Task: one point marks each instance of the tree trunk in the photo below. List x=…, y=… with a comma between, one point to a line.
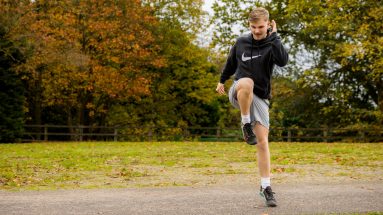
x=38, y=100
x=70, y=123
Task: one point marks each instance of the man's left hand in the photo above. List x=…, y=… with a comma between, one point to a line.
x=273, y=26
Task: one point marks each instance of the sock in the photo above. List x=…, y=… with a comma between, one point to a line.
x=265, y=182
x=245, y=119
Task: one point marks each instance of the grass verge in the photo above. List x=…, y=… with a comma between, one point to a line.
x=41, y=166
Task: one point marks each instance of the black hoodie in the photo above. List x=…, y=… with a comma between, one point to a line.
x=255, y=59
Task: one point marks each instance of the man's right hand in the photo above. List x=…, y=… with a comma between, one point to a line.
x=220, y=89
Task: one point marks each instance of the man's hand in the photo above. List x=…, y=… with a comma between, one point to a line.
x=220, y=89
x=273, y=26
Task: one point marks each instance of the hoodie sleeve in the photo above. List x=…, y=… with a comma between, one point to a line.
x=230, y=66
x=280, y=55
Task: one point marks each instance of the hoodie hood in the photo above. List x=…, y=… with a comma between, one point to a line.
x=263, y=42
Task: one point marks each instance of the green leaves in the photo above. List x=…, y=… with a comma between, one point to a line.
x=342, y=40
x=11, y=90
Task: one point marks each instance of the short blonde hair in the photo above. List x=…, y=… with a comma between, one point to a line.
x=259, y=13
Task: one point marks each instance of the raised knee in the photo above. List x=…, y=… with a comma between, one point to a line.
x=245, y=84
x=244, y=91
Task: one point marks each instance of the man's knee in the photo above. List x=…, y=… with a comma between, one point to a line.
x=262, y=144
x=245, y=84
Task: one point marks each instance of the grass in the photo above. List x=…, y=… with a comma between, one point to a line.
x=41, y=166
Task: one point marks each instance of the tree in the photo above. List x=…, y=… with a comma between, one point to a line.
x=185, y=15
x=182, y=91
x=348, y=36
x=88, y=54
x=11, y=91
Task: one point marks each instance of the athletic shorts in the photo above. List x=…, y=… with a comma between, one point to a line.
x=259, y=109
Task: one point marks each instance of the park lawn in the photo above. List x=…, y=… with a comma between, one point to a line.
x=78, y=165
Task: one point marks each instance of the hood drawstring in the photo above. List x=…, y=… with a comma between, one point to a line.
x=251, y=52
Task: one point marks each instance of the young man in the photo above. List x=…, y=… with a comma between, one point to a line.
x=252, y=59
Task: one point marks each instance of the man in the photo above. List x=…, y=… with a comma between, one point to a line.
x=252, y=59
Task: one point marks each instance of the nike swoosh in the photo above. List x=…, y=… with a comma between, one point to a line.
x=248, y=58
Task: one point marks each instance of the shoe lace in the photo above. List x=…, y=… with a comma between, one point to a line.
x=269, y=194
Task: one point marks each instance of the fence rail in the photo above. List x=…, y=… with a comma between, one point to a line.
x=136, y=133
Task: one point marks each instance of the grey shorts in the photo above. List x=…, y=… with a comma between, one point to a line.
x=259, y=109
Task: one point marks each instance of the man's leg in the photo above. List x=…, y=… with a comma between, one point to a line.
x=244, y=89
x=263, y=153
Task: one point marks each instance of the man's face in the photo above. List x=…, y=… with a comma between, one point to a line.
x=259, y=28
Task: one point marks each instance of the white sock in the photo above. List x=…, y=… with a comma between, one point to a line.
x=265, y=182
x=245, y=119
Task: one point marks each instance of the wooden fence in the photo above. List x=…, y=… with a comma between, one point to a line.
x=135, y=133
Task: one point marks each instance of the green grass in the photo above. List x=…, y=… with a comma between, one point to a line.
x=41, y=166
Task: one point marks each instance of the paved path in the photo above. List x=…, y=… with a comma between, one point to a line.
x=292, y=199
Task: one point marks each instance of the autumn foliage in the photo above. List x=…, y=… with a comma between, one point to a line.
x=108, y=62
x=85, y=53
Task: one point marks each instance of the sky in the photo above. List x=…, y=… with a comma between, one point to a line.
x=205, y=37
x=207, y=6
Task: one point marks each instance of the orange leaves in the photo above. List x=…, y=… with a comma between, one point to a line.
x=95, y=53
x=96, y=46
x=130, y=37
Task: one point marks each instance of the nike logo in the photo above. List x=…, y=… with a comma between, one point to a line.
x=248, y=58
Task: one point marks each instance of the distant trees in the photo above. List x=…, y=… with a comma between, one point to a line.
x=103, y=62
x=133, y=62
x=11, y=91
x=181, y=92
x=89, y=54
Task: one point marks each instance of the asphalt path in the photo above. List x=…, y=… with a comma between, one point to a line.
x=320, y=198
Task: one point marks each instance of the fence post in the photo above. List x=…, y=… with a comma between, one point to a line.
x=81, y=132
x=362, y=136
x=325, y=133
x=218, y=133
x=38, y=129
x=288, y=135
x=185, y=133
x=150, y=134
x=45, y=132
x=115, y=135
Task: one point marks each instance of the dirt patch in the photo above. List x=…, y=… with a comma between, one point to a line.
x=247, y=173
